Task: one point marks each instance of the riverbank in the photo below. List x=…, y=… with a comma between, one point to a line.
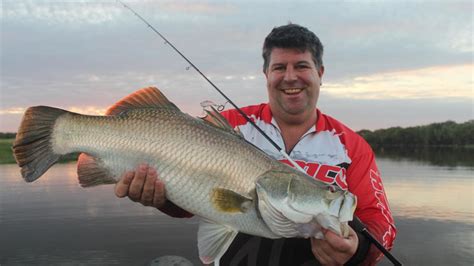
x=430, y=153
x=6, y=153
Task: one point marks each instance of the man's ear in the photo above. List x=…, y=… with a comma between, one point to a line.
x=321, y=71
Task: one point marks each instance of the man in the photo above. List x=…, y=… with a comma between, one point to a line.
x=324, y=147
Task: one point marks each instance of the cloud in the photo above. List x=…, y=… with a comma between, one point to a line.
x=97, y=12
x=198, y=7
x=72, y=11
x=383, y=113
x=87, y=110
x=91, y=53
x=12, y=111
x=433, y=82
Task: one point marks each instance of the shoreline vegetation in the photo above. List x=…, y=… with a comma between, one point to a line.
x=445, y=134
x=448, y=143
x=419, y=142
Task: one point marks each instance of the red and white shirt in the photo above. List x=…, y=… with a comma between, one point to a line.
x=334, y=154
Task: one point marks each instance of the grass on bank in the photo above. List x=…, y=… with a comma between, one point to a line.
x=6, y=153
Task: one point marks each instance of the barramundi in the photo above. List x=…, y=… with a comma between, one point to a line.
x=207, y=167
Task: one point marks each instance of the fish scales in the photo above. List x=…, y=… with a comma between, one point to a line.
x=158, y=136
x=207, y=168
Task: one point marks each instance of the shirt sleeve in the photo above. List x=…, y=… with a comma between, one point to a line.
x=363, y=179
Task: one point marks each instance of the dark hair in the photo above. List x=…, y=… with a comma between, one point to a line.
x=293, y=36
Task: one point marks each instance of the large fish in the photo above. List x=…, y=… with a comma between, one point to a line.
x=208, y=168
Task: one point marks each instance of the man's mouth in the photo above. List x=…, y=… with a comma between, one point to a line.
x=291, y=91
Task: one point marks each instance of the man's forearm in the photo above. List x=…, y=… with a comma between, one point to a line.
x=174, y=211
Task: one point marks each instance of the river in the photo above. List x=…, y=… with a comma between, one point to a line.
x=54, y=221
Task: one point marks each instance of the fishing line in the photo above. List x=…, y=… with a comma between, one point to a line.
x=215, y=87
x=357, y=223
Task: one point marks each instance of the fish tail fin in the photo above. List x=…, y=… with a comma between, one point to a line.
x=32, y=148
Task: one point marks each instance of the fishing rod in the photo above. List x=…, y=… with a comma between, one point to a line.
x=357, y=224
x=215, y=87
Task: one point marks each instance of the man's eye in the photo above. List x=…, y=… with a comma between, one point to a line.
x=302, y=66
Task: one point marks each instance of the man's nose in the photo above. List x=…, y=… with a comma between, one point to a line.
x=290, y=74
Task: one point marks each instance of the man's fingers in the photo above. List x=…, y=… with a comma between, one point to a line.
x=136, y=187
x=149, y=187
x=142, y=185
x=319, y=253
x=121, y=188
x=340, y=243
x=159, y=198
x=334, y=249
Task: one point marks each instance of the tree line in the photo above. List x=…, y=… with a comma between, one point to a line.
x=7, y=135
x=447, y=133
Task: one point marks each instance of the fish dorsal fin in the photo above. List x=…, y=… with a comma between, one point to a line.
x=92, y=172
x=213, y=240
x=214, y=118
x=150, y=97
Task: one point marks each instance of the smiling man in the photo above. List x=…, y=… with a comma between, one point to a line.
x=293, y=81
x=324, y=147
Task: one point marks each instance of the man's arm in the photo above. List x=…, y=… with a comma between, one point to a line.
x=363, y=179
x=144, y=186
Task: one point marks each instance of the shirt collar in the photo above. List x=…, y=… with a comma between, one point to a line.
x=320, y=125
x=320, y=122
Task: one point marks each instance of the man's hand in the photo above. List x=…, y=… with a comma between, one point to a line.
x=334, y=249
x=142, y=185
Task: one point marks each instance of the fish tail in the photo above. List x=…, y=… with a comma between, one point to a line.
x=32, y=148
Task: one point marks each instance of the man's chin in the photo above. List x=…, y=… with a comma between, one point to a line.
x=295, y=110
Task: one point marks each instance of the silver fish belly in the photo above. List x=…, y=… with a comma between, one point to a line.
x=208, y=169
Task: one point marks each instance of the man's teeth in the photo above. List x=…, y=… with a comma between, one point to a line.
x=292, y=91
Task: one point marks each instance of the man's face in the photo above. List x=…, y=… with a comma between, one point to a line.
x=293, y=82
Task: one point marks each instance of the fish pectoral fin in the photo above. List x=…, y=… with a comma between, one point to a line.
x=149, y=97
x=348, y=207
x=92, y=172
x=226, y=200
x=214, y=240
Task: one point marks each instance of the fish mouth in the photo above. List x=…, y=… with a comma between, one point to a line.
x=292, y=91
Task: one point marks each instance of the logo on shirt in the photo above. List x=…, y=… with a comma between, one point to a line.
x=329, y=174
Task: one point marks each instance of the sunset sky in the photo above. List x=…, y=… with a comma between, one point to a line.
x=387, y=63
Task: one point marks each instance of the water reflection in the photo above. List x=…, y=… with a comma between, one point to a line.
x=55, y=221
x=417, y=190
x=440, y=200
x=58, y=194
x=440, y=156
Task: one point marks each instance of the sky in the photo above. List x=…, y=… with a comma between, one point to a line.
x=387, y=63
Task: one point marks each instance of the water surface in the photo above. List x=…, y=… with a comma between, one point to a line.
x=55, y=221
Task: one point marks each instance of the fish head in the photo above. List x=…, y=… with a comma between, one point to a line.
x=294, y=205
